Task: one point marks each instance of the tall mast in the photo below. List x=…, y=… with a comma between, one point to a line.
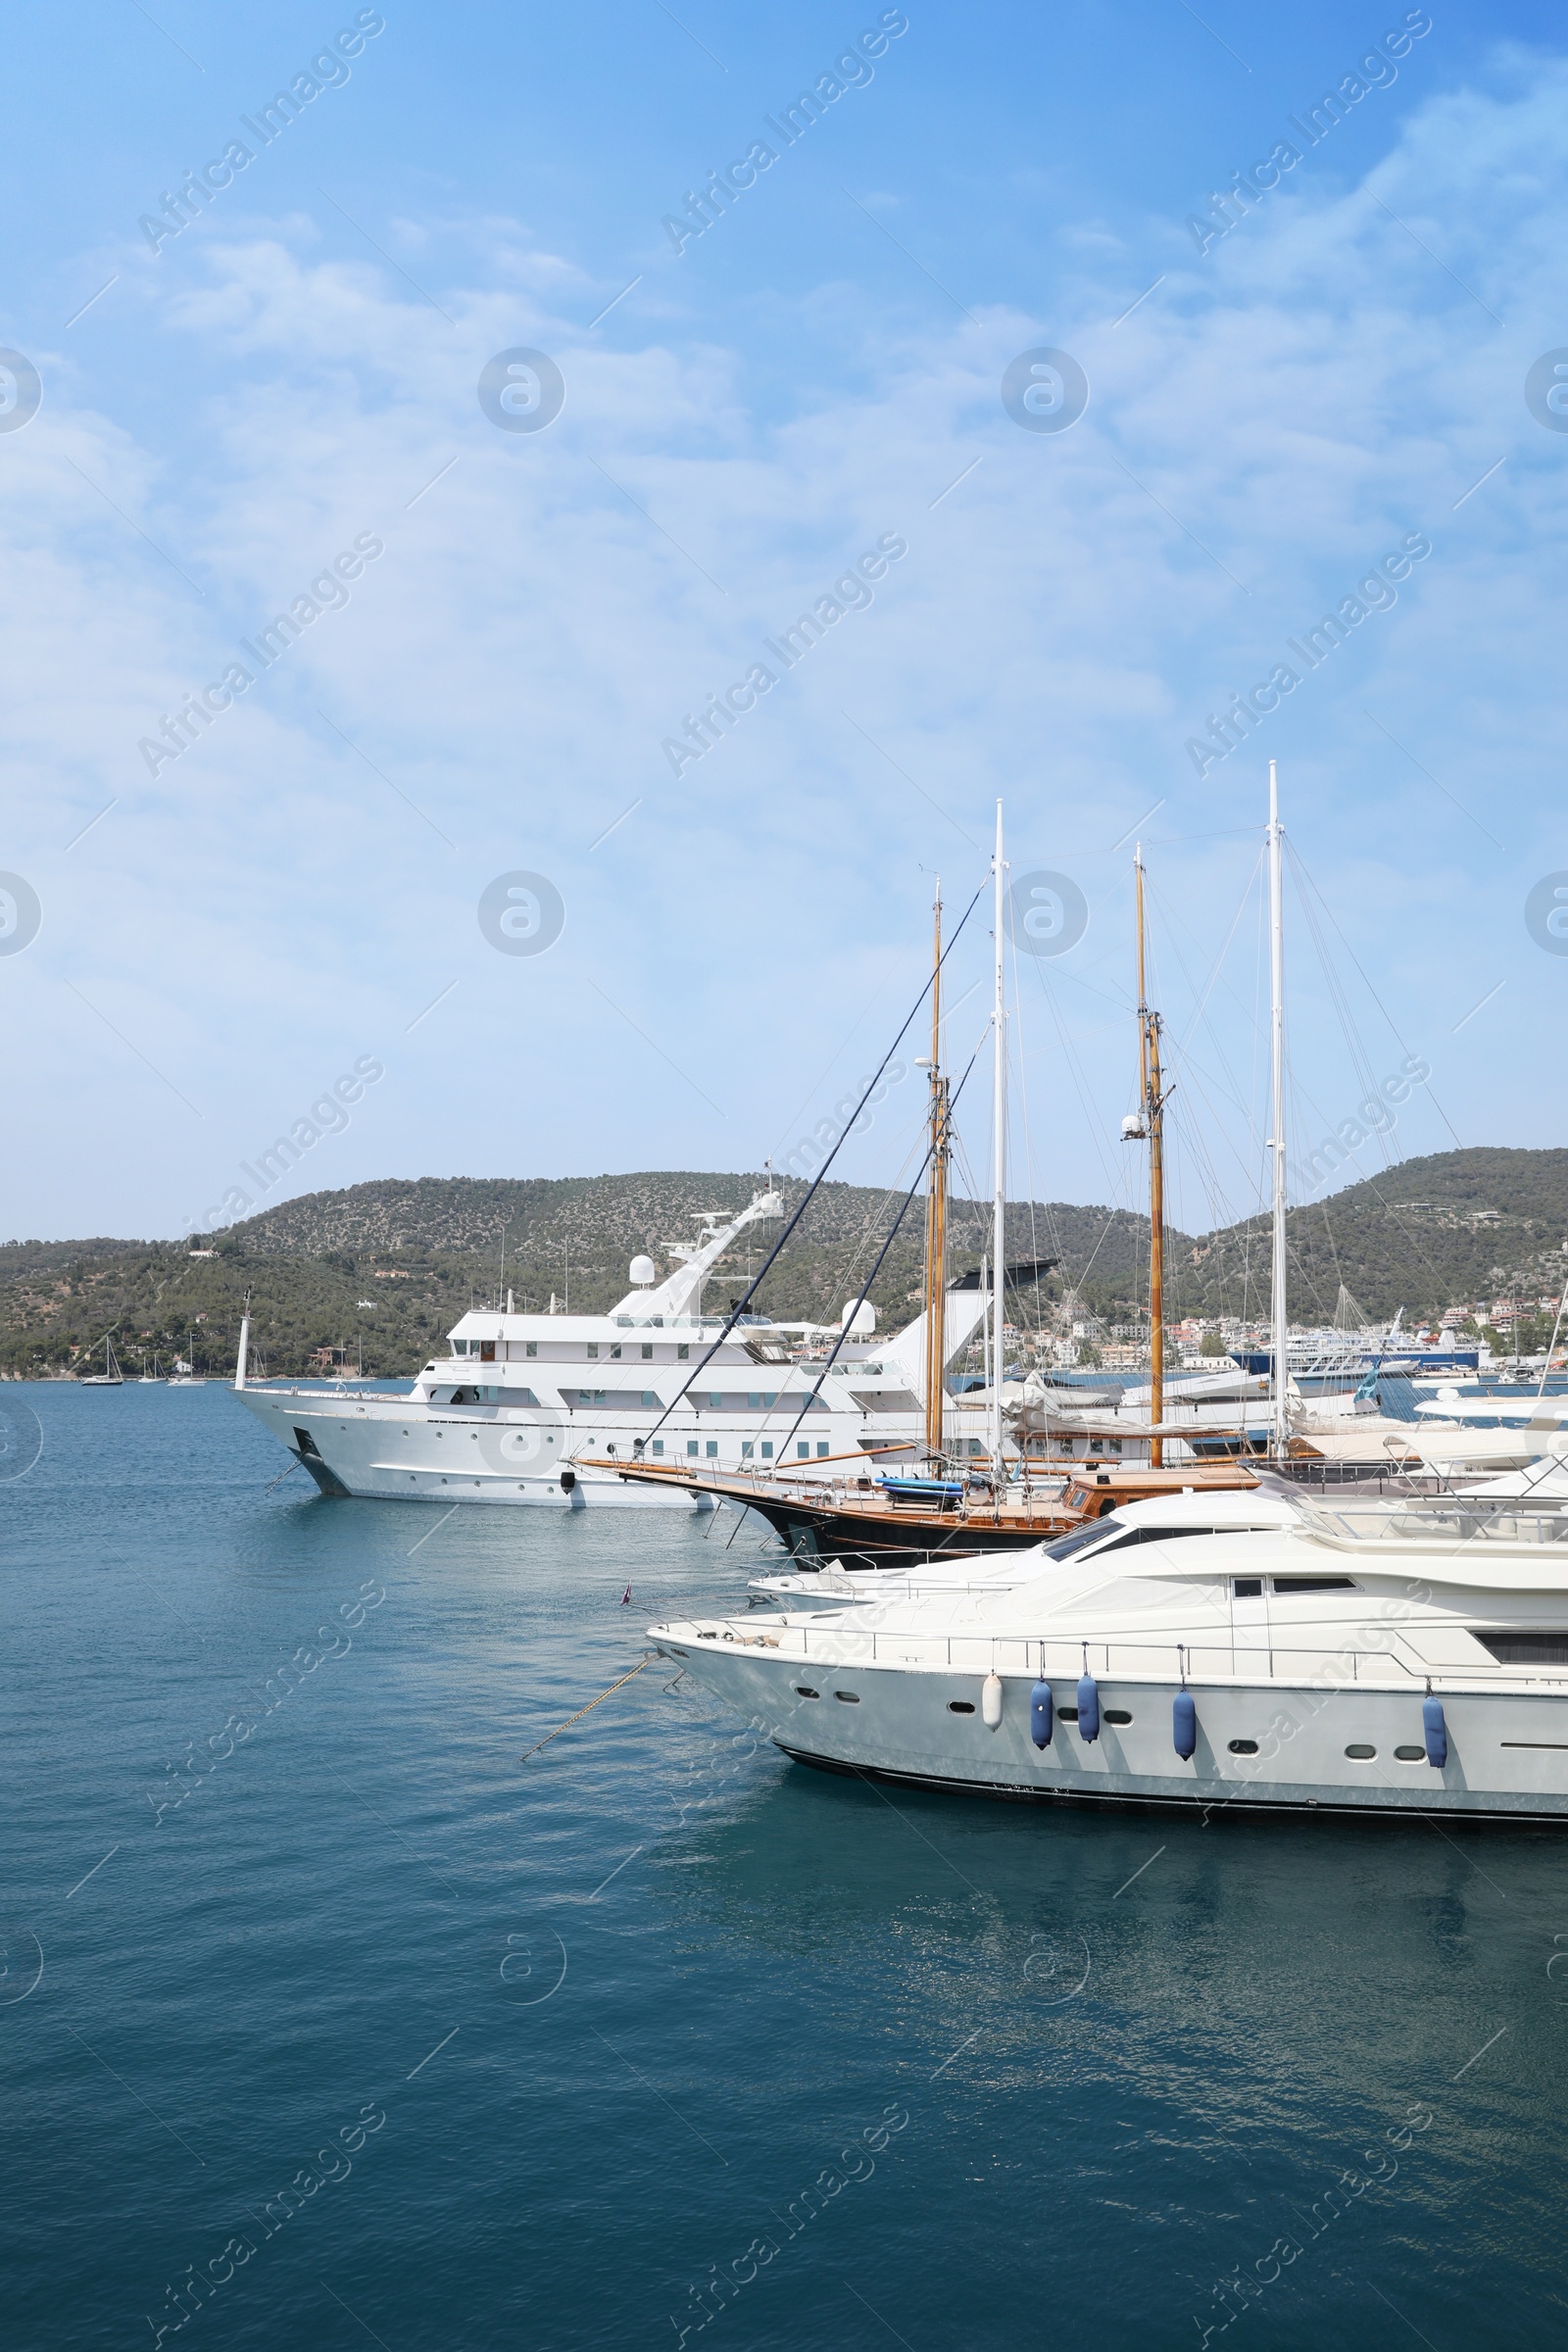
x=1153, y=1107
x=999, y=1162
x=935, y=1214
x=1276, y=924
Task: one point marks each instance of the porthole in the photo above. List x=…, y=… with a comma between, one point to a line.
x=1067, y=1714
x=960, y=1706
x=1360, y=1753
x=1117, y=1715
x=851, y=1698
x=1412, y=1755
x=804, y=1691
x=1244, y=1747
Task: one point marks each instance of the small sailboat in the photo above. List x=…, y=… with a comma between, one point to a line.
x=150, y=1380
x=185, y=1374
x=111, y=1377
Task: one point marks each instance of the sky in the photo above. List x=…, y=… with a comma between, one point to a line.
x=444, y=857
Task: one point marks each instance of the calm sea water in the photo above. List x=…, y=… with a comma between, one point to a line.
x=369, y=2030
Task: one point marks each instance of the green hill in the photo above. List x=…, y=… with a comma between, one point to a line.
x=391, y=1265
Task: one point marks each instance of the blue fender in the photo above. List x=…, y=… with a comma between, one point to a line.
x=1087, y=1709
x=1042, y=1714
x=1435, y=1731
x=1184, y=1725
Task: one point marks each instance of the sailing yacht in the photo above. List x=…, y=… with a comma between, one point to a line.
x=111, y=1377
x=540, y=1409
x=1406, y=1658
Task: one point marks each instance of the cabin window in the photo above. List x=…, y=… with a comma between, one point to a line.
x=960, y=1706
x=746, y=1449
x=712, y=1449
x=802, y=1453
x=1526, y=1649
x=714, y=1400
x=593, y=1347
x=615, y=1351
x=533, y=1349
x=487, y=1351
x=1248, y=1588
x=648, y=1351
x=1412, y=1755
x=682, y=1353
x=768, y=1449
x=1360, y=1753
x=851, y=1698
x=460, y=1347
x=691, y=1445
x=1067, y=1714
x=804, y=1691
x=755, y=1401
x=1244, y=1747
x=1314, y=1584
x=1117, y=1715
x=659, y=1444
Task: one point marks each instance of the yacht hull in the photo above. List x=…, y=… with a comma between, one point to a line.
x=377, y=1448
x=1507, y=1749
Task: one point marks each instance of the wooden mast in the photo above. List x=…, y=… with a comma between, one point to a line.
x=1153, y=1109
x=936, y=1217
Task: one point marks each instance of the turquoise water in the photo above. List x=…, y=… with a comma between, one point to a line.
x=385, y=2035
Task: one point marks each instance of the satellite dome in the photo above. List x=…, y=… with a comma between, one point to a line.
x=862, y=1317
x=643, y=1271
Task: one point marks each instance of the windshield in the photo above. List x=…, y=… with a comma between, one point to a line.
x=1065, y=1546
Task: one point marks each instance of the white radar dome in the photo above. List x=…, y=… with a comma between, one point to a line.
x=643, y=1271
x=857, y=1319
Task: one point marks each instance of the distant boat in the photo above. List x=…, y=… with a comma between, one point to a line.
x=186, y=1375
x=150, y=1380
x=111, y=1377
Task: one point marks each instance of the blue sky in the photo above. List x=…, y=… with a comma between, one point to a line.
x=1272, y=413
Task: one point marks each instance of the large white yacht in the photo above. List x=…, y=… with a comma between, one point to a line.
x=1370, y=1658
x=538, y=1409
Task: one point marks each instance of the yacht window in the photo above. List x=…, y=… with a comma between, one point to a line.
x=1248, y=1588
x=593, y=1347
x=754, y=1403
x=460, y=1347
x=803, y=1454
x=1117, y=1715
x=746, y=1449
x=532, y=1347
x=770, y=1397
x=691, y=1444
x=821, y=1447
x=712, y=1449
x=1244, y=1747
x=1168, y=1534
x=1526, y=1649
x=1412, y=1755
x=659, y=1444
x=1314, y=1584
x=960, y=1706
x=1359, y=1752
x=851, y=1698
x=1065, y=1546
x=804, y=1691
x=648, y=1351
x=615, y=1351
x=768, y=1449
x=682, y=1353
x=487, y=1351
x=1067, y=1714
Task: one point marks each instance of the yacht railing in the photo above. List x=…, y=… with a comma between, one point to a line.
x=1323, y=1670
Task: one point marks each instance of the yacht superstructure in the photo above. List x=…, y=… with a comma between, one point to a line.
x=537, y=1408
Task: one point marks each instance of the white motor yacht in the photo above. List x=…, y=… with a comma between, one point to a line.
x=538, y=1409
x=1366, y=1659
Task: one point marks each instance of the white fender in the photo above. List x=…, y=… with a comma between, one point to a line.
x=991, y=1702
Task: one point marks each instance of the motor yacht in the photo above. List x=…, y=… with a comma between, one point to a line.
x=538, y=1409
x=1407, y=1658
